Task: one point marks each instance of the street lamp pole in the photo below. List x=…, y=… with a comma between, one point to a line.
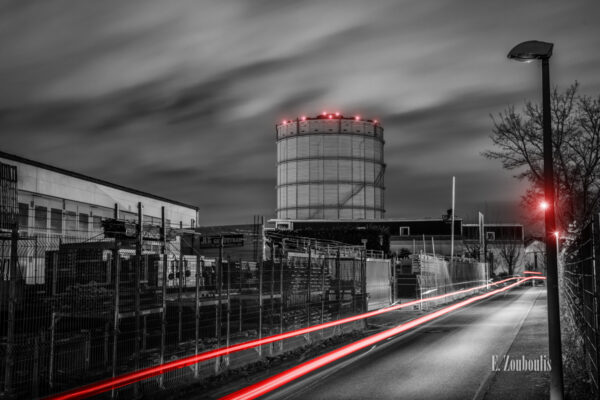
x=527, y=52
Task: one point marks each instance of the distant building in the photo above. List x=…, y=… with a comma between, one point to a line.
x=391, y=235
x=330, y=167
x=535, y=255
x=54, y=203
x=503, y=244
x=241, y=242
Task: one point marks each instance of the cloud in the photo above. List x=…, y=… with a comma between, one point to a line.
x=180, y=99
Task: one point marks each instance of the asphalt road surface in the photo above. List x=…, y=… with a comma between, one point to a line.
x=448, y=358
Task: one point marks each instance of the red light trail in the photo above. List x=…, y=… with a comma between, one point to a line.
x=276, y=381
x=145, y=373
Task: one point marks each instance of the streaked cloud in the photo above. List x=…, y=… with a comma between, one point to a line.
x=180, y=98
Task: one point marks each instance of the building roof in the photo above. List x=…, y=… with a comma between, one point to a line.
x=38, y=164
x=369, y=221
x=496, y=224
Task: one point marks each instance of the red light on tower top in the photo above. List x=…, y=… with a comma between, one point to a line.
x=544, y=205
x=556, y=234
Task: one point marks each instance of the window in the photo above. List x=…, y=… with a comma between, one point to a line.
x=23, y=215
x=83, y=223
x=41, y=217
x=56, y=220
x=490, y=236
x=97, y=223
x=70, y=222
x=405, y=231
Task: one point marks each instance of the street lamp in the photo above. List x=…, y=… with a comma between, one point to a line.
x=527, y=52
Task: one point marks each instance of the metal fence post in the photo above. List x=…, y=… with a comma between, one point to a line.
x=308, y=289
x=260, y=302
x=36, y=368
x=117, y=268
x=595, y=303
x=219, y=302
x=12, y=299
x=353, y=289
x=240, y=296
x=179, y=299
x=338, y=277
x=363, y=279
x=323, y=291
x=280, y=298
x=228, y=329
x=138, y=266
x=272, y=300
x=163, y=316
x=199, y=269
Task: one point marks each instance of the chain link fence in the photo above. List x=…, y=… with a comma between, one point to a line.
x=580, y=288
x=81, y=308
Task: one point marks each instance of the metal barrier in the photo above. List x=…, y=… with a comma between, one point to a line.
x=581, y=279
x=95, y=305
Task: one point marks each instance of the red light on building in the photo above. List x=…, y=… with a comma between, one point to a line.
x=556, y=234
x=337, y=114
x=303, y=118
x=357, y=118
x=330, y=116
x=375, y=122
x=544, y=205
x=284, y=122
x=324, y=113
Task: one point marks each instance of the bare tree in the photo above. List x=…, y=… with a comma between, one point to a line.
x=510, y=252
x=517, y=138
x=472, y=249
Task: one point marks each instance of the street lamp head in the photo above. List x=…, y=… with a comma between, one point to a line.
x=530, y=51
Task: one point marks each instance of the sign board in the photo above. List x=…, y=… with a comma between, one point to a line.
x=128, y=230
x=214, y=242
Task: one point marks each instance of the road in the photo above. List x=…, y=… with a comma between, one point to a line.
x=448, y=358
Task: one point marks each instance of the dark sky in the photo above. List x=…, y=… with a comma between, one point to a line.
x=180, y=98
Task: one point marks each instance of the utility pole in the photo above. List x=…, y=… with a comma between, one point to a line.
x=452, y=226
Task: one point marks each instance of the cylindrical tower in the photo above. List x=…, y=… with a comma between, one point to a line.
x=330, y=167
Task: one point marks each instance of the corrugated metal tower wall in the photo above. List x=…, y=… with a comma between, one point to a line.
x=330, y=167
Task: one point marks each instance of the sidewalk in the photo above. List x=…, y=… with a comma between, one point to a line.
x=531, y=343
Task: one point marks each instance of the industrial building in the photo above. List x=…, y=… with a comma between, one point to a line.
x=330, y=167
x=54, y=203
x=503, y=245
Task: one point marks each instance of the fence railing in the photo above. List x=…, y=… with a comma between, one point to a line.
x=78, y=309
x=581, y=279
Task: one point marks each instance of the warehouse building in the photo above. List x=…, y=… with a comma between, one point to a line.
x=53, y=203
